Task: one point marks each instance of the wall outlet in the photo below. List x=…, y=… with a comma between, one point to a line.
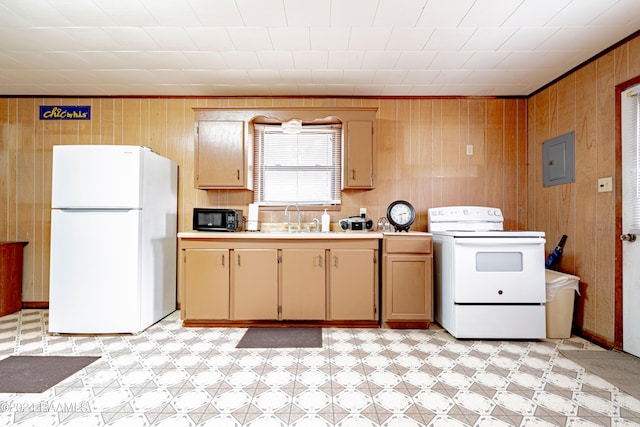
x=469, y=150
x=605, y=184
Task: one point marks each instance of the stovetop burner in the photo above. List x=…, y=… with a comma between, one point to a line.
x=465, y=218
x=472, y=221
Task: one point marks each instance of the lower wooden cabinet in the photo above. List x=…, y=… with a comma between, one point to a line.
x=351, y=284
x=254, y=284
x=407, y=280
x=246, y=280
x=302, y=284
x=206, y=274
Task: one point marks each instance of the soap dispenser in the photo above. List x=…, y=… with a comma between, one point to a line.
x=326, y=222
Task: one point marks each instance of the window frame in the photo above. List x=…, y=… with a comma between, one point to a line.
x=335, y=168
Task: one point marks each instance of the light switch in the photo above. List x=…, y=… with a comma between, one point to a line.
x=605, y=184
x=469, y=150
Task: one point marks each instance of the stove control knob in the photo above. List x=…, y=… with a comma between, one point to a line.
x=466, y=212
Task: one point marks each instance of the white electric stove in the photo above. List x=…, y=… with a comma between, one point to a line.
x=488, y=283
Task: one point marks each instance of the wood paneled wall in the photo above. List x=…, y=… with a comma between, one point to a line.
x=421, y=147
x=422, y=158
x=584, y=102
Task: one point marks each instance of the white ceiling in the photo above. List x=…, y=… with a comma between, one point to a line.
x=301, y=47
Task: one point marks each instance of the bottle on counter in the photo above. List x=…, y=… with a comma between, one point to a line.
x=326, y=222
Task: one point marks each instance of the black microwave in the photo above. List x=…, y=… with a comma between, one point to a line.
x=217, y=219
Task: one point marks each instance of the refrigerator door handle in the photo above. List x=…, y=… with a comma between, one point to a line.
x=83, y=210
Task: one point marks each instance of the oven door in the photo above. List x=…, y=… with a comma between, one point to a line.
x=499, y=270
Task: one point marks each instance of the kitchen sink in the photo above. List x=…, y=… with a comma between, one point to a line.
x=296, y=232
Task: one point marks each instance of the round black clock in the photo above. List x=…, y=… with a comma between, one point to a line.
x=401, y=215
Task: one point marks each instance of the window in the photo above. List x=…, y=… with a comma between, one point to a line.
x=302, y=168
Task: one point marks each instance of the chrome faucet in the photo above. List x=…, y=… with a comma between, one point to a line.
x=286, y=212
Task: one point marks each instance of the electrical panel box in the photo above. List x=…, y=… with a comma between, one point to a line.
x=559, y=160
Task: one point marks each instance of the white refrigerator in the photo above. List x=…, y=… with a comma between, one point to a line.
x=113, y=239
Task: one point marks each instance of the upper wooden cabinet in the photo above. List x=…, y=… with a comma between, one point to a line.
x=224, y=143
x=220, y=154
x=359, y=155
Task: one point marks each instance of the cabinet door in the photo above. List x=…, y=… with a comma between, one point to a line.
x=254, y=284
x=302, y=284
x=359, y=159
x=407, y=287
x=206, y=284
x=352, y=284
x=220, y=156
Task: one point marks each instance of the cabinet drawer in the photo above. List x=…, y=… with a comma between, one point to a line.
x=407, y=244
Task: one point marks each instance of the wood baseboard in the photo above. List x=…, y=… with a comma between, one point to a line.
x=41, y=305
x=280, y=323
x=594, y=338
x=407, y=324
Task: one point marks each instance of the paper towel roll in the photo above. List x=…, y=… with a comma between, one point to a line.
x=252, y=220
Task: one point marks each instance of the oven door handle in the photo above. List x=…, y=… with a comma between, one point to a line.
x=496, y=241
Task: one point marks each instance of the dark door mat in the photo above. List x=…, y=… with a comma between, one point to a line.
x=35, y=374
x=616, y=367
x=281, y=338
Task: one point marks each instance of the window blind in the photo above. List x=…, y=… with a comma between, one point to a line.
x=631, y=156
x=302, y=168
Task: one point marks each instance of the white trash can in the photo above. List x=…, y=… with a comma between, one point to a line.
x=561, y=289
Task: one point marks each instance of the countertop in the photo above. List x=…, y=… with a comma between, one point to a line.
x=278, y=235
x=410, y=233
x=295, y=236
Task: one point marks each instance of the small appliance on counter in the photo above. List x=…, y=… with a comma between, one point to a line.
x=252, y=223
x=356, y=223
x=217, y=219
x=401, y=215
x=383, y=225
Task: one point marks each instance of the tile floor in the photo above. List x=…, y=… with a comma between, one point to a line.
x=175, y=376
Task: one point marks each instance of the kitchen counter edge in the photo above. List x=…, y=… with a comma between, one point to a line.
x=295, y=236
x=206, y=235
